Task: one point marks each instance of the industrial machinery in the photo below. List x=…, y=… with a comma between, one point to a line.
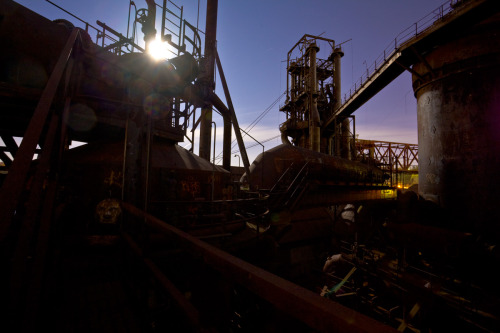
x=131, y=232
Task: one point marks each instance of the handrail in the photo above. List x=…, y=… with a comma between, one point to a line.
x=412, y=31
x=299, y=174
x=99, y=34
x=281, y=179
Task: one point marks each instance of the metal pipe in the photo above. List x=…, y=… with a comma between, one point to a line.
x=344, y=134
x=148, y=27
x=337, y=54
x=314, y=120
x=213, y=163
x=345, y=149
x=226, y=144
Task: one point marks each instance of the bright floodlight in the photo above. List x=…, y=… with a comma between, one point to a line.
x=158, y=49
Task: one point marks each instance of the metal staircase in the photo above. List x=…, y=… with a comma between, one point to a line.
x=290, y=187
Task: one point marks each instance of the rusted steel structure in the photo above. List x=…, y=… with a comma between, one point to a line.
x=400, y=159
x=402, y=156
x=312, y=95
x=131, y=111
x=458, y=122
x=130, y=232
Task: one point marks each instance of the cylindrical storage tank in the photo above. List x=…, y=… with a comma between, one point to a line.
x=458, y=96
x=269, y=167
x=179, y=183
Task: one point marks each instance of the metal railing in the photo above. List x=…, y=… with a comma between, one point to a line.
x=118, y=44
x=404, y=36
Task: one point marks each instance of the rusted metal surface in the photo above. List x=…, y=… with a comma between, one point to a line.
x=399, y=160
x=458, y=126
x=16, y=178
x=269, y=166
x=20, y=270
x=180, y=182
x=318, y=313
x=307, y=105
x=402, y=156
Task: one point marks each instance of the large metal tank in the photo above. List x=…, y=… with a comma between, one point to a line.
x=458, y=93
x=179, y=183
x=269, y=166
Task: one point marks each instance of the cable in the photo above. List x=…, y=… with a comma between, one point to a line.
x=253, y=123
x=248, y=147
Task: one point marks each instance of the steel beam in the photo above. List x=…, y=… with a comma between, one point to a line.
x=234, y=119
x=210, y=49
x=407, y=53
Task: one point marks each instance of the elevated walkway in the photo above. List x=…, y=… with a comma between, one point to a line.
x=409, y=47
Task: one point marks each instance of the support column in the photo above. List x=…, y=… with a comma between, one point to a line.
x=148, y=27
x=209, y=67
x=345, y=143
x=226, y=145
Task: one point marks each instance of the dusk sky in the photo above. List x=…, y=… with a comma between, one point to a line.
x=254, y=37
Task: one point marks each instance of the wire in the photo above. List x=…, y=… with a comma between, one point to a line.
x=218, y=158
x=255, y=122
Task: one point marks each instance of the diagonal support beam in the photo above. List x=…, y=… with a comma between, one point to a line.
x=14, y=183
x=234, y=120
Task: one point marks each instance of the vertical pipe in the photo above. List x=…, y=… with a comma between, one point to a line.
x=314, y=120
x=345, y=149
x=226, y=145
x=344, y=135
x=337, y=54
x=192, y=131
x=206, y=112
x=213, y=163
x=149, y=26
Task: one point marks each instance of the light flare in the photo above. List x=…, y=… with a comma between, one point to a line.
x=158, y=49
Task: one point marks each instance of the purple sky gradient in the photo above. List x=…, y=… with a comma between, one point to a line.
x=254, y=38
